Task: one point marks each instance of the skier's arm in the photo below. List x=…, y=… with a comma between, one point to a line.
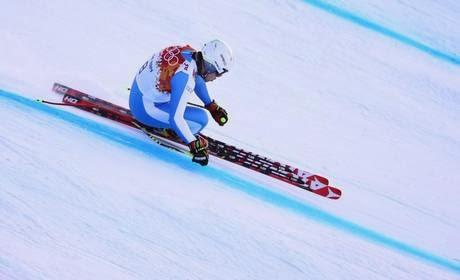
x=181, y=85
x=201, y=90
x=218, y=113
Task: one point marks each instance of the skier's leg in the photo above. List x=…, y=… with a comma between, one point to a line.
x=197, y=118
x=157, y=115
x=145, y=111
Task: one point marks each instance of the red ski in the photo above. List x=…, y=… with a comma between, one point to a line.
x=283, y=172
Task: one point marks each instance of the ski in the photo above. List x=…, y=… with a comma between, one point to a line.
x=283, y=172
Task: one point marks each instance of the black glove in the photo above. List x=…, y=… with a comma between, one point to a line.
x=218, y=113
x=198, y=148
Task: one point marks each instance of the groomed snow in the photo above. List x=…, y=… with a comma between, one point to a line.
x=83, y=198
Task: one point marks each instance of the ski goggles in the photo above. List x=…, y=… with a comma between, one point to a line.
x=210, y=68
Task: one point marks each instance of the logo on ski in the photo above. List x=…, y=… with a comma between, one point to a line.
x=70, y=99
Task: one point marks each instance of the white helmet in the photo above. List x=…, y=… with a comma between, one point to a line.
x=219, y=54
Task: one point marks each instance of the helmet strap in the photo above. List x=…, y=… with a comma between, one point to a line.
x=198, y=56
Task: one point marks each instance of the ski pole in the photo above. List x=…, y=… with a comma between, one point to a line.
x=62, y=104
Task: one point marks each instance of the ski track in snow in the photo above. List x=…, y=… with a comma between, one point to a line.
x=366, y=23
x=258, y=191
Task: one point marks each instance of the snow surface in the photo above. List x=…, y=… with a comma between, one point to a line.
x=371, y=101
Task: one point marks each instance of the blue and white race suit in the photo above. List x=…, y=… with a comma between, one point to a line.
x=162, y=88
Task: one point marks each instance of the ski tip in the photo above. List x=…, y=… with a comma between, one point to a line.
x=333, y=193
x=329, y=192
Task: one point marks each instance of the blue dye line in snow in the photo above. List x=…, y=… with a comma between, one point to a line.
x=451, y=58
x=235, y=182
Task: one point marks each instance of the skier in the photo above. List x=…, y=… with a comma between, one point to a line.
x=164, y=84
